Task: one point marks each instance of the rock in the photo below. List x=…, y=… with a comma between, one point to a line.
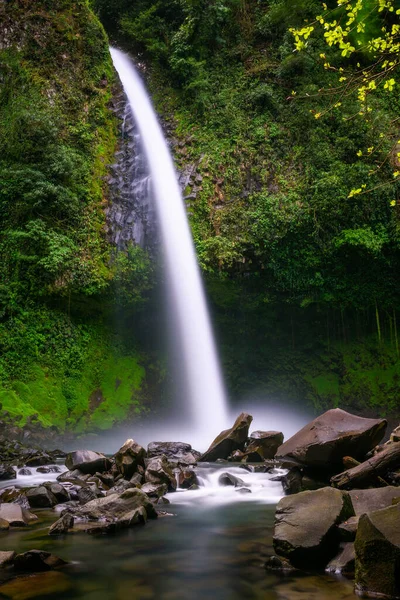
x=58, y=491
x=365, y=501
x=52, y=469
x=277, y=563
x=229, y=440
x=61, y=526
x=305, y=526
x=264, y=443
x=24, y=472
x=41, y=497
x=154, y=491
x=7, y=472
x=76, y=476
x=120, y=487
x=87, y=461
x=6, y=557
x=129, y=457
x=37, y=560
x=377, y=548
x=159, y=471
x=177, y=453
x=16, y=515
x=292, y=481
x=226, y=479
x=330, y=437
x=106, y=478
x=137, y=479
x=186, y=478
x=243, y=490
x=113, y=512
x=344, y=561
x=348, y=529
x=86, y=495
x=4, y=525
x=264, y=468
x=39, y=460
x=14, y=495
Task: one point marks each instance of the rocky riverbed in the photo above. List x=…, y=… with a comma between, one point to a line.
x=339, y=514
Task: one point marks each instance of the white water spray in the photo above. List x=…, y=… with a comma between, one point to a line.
x=202, y=372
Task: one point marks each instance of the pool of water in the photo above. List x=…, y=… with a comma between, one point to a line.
x=213, y=544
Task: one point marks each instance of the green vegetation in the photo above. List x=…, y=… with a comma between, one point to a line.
x=284, y=242
x=300, y=255
x=60, y=355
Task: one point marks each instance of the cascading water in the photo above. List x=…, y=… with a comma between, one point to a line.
x=201, y=367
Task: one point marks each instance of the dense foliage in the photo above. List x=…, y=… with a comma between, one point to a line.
x=58, y=137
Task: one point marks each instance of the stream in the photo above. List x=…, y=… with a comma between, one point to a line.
x=212, y=543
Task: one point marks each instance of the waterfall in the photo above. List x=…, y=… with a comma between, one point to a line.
x=201, y=370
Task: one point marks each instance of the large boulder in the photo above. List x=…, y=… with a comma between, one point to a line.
x=159, y=471
x=377, y=548
x=306, y=526
x=129, y=457
x=263, y=444
x=41, y=497
x=177, y=453
x=335, y=434
x=87, y=461
x=16, y=515
x=37, y=560
x=113, y=512
x=229, y=440
x=365, y=501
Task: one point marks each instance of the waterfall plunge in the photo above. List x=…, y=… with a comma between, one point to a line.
x=202, y=374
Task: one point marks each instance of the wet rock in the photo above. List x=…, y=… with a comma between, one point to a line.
x=41, y=497
x=16, y=515
x=7, y=472
x=330, y=437
x=87, y=461
x=155, y=491
x=226, y=479
x=243, y=490
x=6, y=557
x=4, y=525
x=306, y=526
x=129, y=457
x=58, y=491
x=39, y=460
x=45, y=584
x=37, y=560
x=377, y=548
x=24, y=472
x=229, y=440
x=186, y=478
x=344, y=562
x=264, y=468
x=177, y=453
x=62, y=526
x=116, y=511
x=46, y=470
x=264, y=443
x=277, y=563
x=158, y=471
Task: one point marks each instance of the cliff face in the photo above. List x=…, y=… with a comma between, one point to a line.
x=61, y=354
